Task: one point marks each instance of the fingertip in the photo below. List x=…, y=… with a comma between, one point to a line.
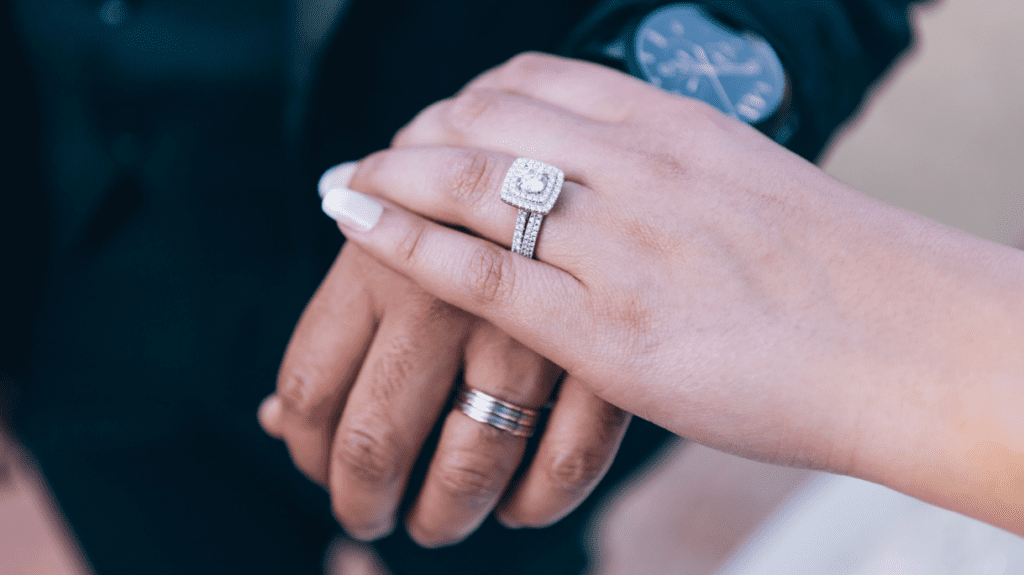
x=507, y=519
x=427, y=539
x=370, y=533
x=359, y=523
x=336, y=177
x=417, y=538
x=269, y=415
x=348, y=557
x=514, y=515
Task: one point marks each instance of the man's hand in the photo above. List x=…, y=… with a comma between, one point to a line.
x=369, y=371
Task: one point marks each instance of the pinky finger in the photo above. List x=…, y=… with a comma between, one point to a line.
x=580, y=441
x=514, y=293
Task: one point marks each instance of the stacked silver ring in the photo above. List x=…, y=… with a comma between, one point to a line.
x=517, y=420
x=532, y=186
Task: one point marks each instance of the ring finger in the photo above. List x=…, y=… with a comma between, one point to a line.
x=474, y=461
x=495, y=120
x=457, y=186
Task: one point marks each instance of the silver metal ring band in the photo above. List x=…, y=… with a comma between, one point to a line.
x=501, y=408
x=532, y=186
x=514, y=419
x=527, y=229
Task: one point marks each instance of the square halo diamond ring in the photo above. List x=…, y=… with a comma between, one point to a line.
x=532, y=186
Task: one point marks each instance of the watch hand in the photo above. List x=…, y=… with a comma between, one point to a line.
x=684, y=61
x=709, y=70
x=724, y=66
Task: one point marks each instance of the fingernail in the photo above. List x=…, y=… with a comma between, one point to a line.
x=269, y=413
x=352, y=209
x=337, y=177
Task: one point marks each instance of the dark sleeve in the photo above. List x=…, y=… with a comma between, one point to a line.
x=833, y=50
x=387, y=60
x=22, y=215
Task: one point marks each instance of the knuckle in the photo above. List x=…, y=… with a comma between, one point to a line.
x=468, y=107
x=491, y=274
x=650, y=238
x=299, y=395
x=432, y=537
x=529, y=63
x=470, y=176
x=470, y=479
x=390, y=373
x=662, y=164
x=362, y=530
x=627, y=313
x=369, y=457
x=407, y=248
x=575, y=470
x=428, y=315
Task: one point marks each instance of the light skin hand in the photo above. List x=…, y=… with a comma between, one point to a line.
x=698, y=275
x=366, y=376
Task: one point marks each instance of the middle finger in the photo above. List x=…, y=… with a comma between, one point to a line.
x=395, y=400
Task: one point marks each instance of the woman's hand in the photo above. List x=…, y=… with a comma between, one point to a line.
x=700, y=276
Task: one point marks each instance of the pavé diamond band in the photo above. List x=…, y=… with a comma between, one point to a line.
x=532, y=186
x=517, y=420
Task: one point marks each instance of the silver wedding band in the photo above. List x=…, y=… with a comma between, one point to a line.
x=532, y=186
x=509, y=417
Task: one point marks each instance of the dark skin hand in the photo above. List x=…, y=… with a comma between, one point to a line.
x=367, y=374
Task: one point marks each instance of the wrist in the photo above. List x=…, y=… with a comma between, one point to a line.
x=944, y=414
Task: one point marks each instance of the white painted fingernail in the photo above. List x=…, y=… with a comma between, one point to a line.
x=352, y=209
x=337, y=177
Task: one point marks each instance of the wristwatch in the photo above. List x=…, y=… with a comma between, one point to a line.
x=683, y=49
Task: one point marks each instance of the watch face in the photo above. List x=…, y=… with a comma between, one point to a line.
x=681, y=49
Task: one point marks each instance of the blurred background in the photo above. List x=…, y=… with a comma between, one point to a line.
x=943, y=137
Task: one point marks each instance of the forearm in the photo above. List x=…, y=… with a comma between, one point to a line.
x=947, y=389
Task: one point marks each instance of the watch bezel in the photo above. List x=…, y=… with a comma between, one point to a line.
x=773, y=120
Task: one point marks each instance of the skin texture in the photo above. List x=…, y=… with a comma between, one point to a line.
x=698, y=275
x=366, y=376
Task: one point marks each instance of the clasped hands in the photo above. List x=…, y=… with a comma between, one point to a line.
x=692, y=272
x=369, y=370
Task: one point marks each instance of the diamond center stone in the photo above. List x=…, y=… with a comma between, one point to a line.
x=532, y=184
